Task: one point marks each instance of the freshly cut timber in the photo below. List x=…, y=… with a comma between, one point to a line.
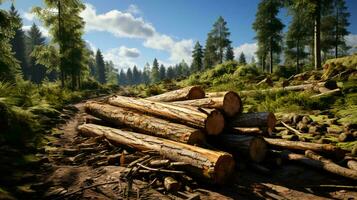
x=145, y=123
x=230, y=103
x=216, y=166
x=210, y=120
x=187, y=93
x=314, y=160
x=252, y=130
x=258, y=119
x=297, y=145
x=255, y=148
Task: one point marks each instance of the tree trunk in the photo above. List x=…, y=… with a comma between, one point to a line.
x=332, y=167
x=217, y=166
x=230, y=103
x=210, y=120
x=254, y=148
x=148, y=124
x=297, y=145
x=187, y=93
x=259, y=119
x=317, y=35
x=252, y=130
x=352, y=164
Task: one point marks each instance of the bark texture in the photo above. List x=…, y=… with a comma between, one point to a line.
x=145, y=123
x=258, y=119
x=212, y=121
x=230, y=103
x=187, y=93
x=216, y=166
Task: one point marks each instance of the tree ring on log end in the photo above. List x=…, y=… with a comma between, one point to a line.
x=271, y=121
x=196, y=92
x=232, y=104
x=214, y=123
x=196, y=137
x=223, y=169
x=258, y=149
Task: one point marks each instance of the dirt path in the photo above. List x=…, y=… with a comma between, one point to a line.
x=74, y=162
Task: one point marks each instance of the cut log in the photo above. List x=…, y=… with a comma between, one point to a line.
x=297, y=145
x=210, y=120
x=216, y=166
x=313, y=160
x=187, y=93
x=332, y=167
x=352, y=164
x=253, y=131
x=230, y=103
x=171, y=184
x=258, y=119
x=144, y=123
x=326, y=93
x=255, y=148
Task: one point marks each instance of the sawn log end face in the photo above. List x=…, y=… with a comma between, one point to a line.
x=258, y=149
x=196, y=92
x=232, y=104
x=214, y=123
x=224, y=168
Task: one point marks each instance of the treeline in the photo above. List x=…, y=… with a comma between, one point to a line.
x=64, y=55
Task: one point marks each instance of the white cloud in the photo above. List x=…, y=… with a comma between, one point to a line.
x=133, y=9
x=122, y=57
x=43, y=30
x=248, y=49
x=124, y=24
x=29, y=16
x=351, y=40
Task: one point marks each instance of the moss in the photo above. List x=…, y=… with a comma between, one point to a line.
x=346, y=145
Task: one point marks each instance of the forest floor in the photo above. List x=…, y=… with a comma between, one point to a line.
x=69, y=162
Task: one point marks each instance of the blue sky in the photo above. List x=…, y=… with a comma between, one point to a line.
x=133, y=32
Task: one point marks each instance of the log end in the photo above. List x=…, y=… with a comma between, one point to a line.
x=196, y=137
x=258, y=149
x=224, y=168
x=271, y=121
x=214, y=123
x=196, y=92
x=232, y=104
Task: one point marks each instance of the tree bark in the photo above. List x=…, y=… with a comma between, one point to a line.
x=230, y=103
x=210, y=120
x=258, y=119
x=297, y=145
x=216, y=166
x=187, y=93
x=352, y=164
x=329, y=92
x=317, y=35
x=144, y=123
x=332, y=167
x=254, y=148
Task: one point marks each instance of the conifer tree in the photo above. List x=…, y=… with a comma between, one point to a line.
x=242, y=59
x=229, y=53
x=197, y=56
x=162, y=72
x=155, y=74
x=220, y=34
x=100, y=67
x=136, y=75
x=122, y=78
x=129, y=77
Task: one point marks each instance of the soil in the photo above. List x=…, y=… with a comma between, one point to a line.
x=59, y=170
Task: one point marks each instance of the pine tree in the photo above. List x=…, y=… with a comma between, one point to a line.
x=197, y=56
x=37, y=72
x=129, y=77
x=111, y=73
x=146, y=74
x=341, y=23
x=67, y=28
x=242, y=59
x=136, y=75
x=253, y=60
x=268, y=30
x=18, y=42
x=298, y=36
x=229, y=53
x=155, y=74
x=99, y=62
x=220, y=34
x=210, y=56
x=122, y=78
x=170, y=73
x=162, y=72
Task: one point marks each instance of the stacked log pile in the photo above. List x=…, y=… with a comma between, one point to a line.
x=193, y=134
